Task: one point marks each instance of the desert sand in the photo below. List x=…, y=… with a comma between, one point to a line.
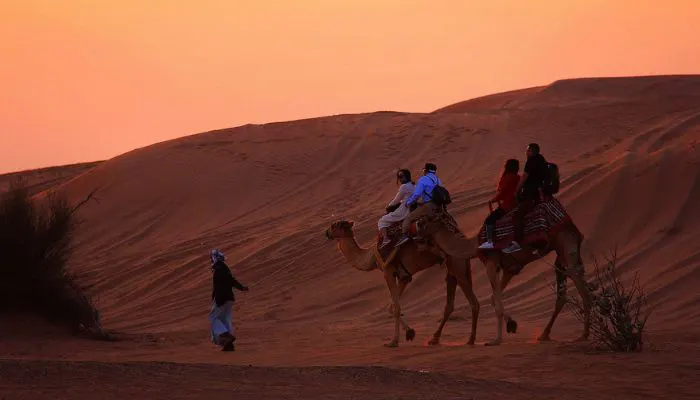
x=628, y=150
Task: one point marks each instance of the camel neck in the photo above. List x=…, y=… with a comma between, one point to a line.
x=358, y=257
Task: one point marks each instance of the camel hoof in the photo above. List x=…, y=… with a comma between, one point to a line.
x=434, y=341
x=580, y=339
x=410, y=334
x=544, y=338
x=511, y=326
x=494, y=342
x=471, y=342
x=393, y=343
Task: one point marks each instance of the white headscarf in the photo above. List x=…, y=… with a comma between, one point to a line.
x=216, y=255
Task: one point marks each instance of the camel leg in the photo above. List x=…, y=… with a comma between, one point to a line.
x=582, y=288
x=511, y=324
x=402, y=287
x=450, y=291
x=497, y=300
x=410, y=332
x=575, y=270
x=395, y=298
x=561, y=301
x=467, y=288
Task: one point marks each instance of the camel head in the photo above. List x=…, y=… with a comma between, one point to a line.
x=340, y=229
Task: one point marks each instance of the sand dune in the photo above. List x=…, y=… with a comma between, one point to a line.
x=39, y=180
x=629, y=154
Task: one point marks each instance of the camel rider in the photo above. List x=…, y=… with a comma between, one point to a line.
x=528, y=192
x=395, y=211
x=424, y=187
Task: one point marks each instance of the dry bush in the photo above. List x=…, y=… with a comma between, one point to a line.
x=35, y=246
x=619, y=312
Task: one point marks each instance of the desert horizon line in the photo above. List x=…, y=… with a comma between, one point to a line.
x=87, y=161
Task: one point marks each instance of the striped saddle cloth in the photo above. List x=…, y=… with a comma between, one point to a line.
x=539, y=224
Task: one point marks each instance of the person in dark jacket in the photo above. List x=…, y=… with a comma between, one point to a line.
x=528, y=193
x=221, y=314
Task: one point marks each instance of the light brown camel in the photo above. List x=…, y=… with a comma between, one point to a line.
x=567, y=245
x=413, y=260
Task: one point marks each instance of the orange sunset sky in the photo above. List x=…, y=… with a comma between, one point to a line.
x=83, y=80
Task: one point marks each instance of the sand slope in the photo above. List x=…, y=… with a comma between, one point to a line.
x=42, y=179
x=629, y=153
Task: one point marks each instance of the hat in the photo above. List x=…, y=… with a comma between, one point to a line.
x=430, y=167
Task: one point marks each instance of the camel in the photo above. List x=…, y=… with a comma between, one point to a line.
x=413, y=260
x=566, y=243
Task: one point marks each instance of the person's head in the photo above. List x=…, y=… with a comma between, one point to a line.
x=512, y=166
x=429, y=167
x=216, y=256
x=403, y=176
x=532, y=149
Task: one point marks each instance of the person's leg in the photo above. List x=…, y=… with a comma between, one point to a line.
x=214, y=328
x=219, y=326
x=413, y=216
x=227, y=319
x=383, y=231
x=524, y=207
x=406, y=223
x=490, y=224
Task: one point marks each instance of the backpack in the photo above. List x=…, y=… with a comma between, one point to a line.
x=440, y=195
x=550, y=182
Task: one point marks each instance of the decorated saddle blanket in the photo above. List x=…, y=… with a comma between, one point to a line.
x=422, y=228
x=542, y=223
x=394, y=233
x=443, y=218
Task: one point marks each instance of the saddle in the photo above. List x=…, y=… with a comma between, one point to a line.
x=542, y=224
x=394, y=233
x=387, y=253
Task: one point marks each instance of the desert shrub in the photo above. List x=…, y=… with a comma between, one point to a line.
x=35, y=247
x=619, y=312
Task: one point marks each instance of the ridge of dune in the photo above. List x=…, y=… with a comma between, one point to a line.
x=39, y=180
x=587, y=92
x=628, y=150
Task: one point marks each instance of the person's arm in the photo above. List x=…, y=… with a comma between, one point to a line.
x=499, y=190
x=522, y=181
x=397, y=199
x=238, y=285
x=417, y=192
x=523, y=178
x=233, y=281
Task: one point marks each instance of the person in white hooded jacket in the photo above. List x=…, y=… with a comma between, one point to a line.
x=395, y=211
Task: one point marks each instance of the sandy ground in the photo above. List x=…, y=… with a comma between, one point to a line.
x=311, y=327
